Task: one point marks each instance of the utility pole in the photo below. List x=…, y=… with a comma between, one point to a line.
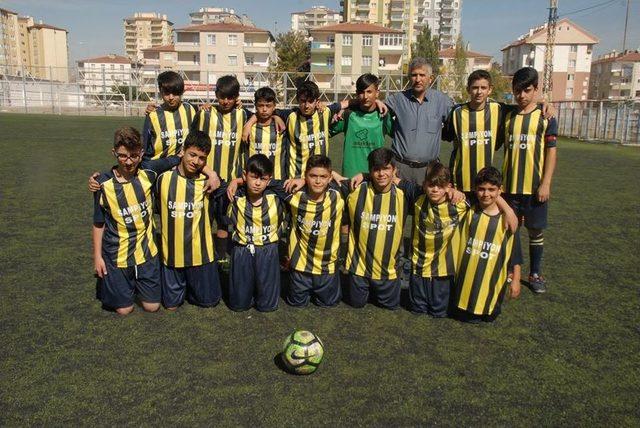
x=626, y=21
x=552, y=21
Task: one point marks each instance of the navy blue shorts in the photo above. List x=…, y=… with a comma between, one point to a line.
x=200, y=285
x=325, y=289
x=430, y=295
x=119, y=285
x=386, y=292
x=254, y=277
x=528, y=206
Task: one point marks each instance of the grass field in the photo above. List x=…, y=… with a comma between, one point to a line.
x=569, y=357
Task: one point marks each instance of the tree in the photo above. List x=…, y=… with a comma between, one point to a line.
x=427, y=46
x=500, y=83
x=135, y=94
x=293, y=52
x=460, y=69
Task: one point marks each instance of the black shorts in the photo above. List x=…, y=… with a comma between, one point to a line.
x=254, y=277
x=386, y=292
x=119, y=285
x=325, y=289
x=200, y=285
x=430, y=295
x=528, y=206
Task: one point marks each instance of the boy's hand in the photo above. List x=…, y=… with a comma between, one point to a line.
x=382, y=108
x=232, y=188
x=94, y=186
x=213, y=182
x=357, y=180
x=455, y=195
x=246, y=131
x=205, y=107
x=548, y=110
x=280, y=125
x=514, y=290
x=544, y=192
x=292, y=185
x=150, y=109
x=99, y=266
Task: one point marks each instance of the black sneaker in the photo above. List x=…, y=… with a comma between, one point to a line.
x=537, y=283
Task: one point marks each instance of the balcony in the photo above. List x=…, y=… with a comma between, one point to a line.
x=256, y=47
x=321, y=67
x=187, y=46
x=396, y=18
x=390, y=48
x=322, y=45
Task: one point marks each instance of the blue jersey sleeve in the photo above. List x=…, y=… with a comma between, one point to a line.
x=98, y=210
x=148, y=137
x=551, y=133
x=160, y=165
x=411, y=190
x=277, y=187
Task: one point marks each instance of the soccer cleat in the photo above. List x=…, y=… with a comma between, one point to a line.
x=537, y=283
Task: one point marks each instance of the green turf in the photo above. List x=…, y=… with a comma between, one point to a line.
x=570, y=357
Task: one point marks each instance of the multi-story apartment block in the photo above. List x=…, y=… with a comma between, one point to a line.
x=442, y=16
x=571, y=58
x=10, y=44
x=615, y=76
x=100, y=74
x=351, y=49
x=317, y=16
x=218, y=15
x=143, y=30
x=475, y=60
x=44, y=50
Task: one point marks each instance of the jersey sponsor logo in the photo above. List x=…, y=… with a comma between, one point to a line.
x=485, y=249
x=132, y=213
x=184, y=209
x=260, y=233
x=522, y=142
x=314, y=227
x=377, y=221
x=477, y=138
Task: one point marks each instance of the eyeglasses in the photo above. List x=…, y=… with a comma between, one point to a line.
x=122, y=157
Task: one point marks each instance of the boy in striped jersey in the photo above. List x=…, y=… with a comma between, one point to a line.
x=484, y=253
x=529, y=164
x=188, y=266
x=123, y=242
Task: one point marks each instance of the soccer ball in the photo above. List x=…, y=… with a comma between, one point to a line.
x=303, y=352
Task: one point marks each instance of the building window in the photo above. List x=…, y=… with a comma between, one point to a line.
x=367, y=40
x=211, y=39
x=168, y=57
x=366, y=61
x=347, y=39
x=329, y=61
x=572, y=63
x=248, y=59
x=569, y=92
x=571, y=77
x=346, y=60
x=211, y=58
x=573, y=48
x=391, y=40
x=232, y=39
x=233, y=59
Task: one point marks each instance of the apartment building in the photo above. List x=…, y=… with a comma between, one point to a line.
x=143, y=30
x=443, y=17
x=615, y=76
x=572, y=56
x=10, y=44
x=316, y=16
x=99, y=75
x=351, y=49
x=217, y=15
x=475, y=60
x=44, y=50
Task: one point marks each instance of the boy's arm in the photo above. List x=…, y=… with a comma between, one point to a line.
x=277, y=187
x=97, y=233
x=387, y=123
x=550, y=159
x=148, y=137
x=448, y=131
x=336, y=127
x=511, y=220
x=161, y=165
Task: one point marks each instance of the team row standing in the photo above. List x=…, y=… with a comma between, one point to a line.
x=378, y=209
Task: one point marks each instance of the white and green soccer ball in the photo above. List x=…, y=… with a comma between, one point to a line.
x=303, y=352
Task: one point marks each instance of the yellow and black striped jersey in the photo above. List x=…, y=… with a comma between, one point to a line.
x=257, y=224
x=125, y=208
x=526, y=138
x=225, y=131
x=267, y=140
x=376, y=222
x=476, y=136
x=482, y=262
x=307, y=136
x=435, y=243
x=186, y=214
x=315, y=232
x=164, y=131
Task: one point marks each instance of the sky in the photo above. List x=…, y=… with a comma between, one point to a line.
x=95, y=26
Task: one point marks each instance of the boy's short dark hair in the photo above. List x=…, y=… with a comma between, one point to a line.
x=365, y=81
x=309, y=90
x=488, y=175
x=227, y=87
x=265, y=94
x=379, y=158
x=524, y=78
x=478, y=75
x=170, y=82
x=259, y=165
x=198, y=139
x=437, y=174
x=318, y=161
x=127, y=137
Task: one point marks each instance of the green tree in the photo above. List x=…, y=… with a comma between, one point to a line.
x=293, y=52
x=460, y=70
x=427, y=46
x=135, y=93
x=500, y=83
